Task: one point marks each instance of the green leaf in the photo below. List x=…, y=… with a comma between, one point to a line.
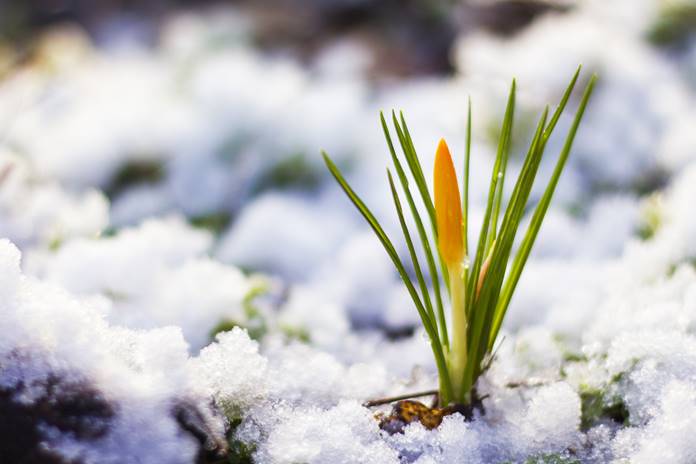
x=539, y=213
x=561, y=105
x=417, y=174
x=412, y=252
x=425, y=242
x=465, y=194
x=504, y=152
x=483, y=306
x=391, y=251
x=483, y=242
x=416, y=170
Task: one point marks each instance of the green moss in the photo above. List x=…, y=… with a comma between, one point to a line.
x=291, y=172
x=296, y=333
x=256, y=328
x=650, y=182
x=55, y=243
x=260, y=287
x=552, y=458
x=674, y=25
x=596, y=406
x=214, y=222
x=568, y=354
x=644, y=232
x=548, y=458
x=109, y=232
x=592, y=404
x=651, y=217
x=672, y=268
x=255, y=322
x=574, y=357
x=136, y=172
x=239, y=451
x=619, y=377
x=224, y=325
x=576, y=210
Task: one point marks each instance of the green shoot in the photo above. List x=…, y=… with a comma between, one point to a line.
x=480, y=283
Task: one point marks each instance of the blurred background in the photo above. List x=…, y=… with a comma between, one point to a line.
x=407, y=37
x=213, y=114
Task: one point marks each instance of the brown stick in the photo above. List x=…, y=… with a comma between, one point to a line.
x=381, y=401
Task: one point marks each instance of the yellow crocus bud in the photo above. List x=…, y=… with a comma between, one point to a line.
x=448, y=208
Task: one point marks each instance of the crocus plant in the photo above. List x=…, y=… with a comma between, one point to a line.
x=480, y=282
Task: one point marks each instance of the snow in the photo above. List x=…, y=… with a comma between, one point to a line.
x=49, y=336
x=232, y=369
x=109, y=292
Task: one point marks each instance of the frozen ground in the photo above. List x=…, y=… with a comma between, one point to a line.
x=153, y=197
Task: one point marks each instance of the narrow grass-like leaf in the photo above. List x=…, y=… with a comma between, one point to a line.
x=425, y=242
x=412, y=251
x=541, y=144
x=416, y=170
x=417, y=174
x=483, y=242
x=503, y=146
x=561, y=105
x=538, y=216
x=391, y=251
x=412, y=148
x=465, y=182
x=500, y=255
x=465, y=204
x=483, y=307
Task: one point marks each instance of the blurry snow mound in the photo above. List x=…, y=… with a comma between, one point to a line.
x=37, y=211
x=74, y=389
x=348, y=433
x=184, y=111
x=134, y=256
x=666, y=437
x=602, y=233
x=288, y=235
x=366, y=291
x=641, y=99
x=325, y=322
x=672, y=241
x=232, y=370
x=153, y=275
x=345, y=434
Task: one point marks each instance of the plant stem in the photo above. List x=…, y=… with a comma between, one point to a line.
x=391, y=399
x=458, y=354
